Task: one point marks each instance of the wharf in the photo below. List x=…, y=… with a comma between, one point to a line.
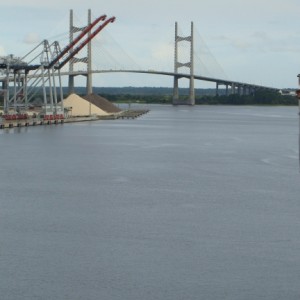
x=127, y=114
x=132, y=114
x=28, y=122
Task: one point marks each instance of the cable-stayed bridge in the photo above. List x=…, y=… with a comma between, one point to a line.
x=188, y=61
x=190, y=57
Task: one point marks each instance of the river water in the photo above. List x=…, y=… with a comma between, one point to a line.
x=182, y=203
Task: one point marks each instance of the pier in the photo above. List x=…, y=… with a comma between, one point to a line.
x=127, y=114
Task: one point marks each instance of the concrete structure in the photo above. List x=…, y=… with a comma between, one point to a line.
x=189, y=65
x=239, y=88
x=87, y=60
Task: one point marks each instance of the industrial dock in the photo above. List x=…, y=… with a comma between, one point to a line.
x=14, y=121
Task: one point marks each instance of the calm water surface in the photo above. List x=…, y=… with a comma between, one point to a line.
x=182, y=203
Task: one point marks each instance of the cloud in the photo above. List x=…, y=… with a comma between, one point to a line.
x=31, y=38
x=161, y=57
x=260, y=35
x=260, y=41
x=2, y=51
x=162, y=51
x=237, y=42
x=241, y=44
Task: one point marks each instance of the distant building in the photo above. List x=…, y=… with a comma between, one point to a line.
x=287, y=92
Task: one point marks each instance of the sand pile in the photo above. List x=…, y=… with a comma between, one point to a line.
x=81, y=107
x=102, y=103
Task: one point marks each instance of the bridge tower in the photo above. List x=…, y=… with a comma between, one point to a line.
x=87, y=60
x=190, y=65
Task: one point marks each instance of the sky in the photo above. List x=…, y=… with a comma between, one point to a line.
x=253, y=41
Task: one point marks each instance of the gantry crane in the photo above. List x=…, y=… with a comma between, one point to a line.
x=52, y=59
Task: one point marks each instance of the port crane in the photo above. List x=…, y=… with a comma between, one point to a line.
x=27, y=76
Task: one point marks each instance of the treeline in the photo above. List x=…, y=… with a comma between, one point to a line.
x=259, y=98
x=126, y=98
x=164, y=96
x=149, y=91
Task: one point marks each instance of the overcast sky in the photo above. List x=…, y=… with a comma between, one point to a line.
x=255, y=41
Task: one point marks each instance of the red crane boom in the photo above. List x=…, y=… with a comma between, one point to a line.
x=76, y=40
x=71, y=54
x=83, y=43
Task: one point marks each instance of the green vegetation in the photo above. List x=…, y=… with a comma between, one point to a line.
x=165, y=95
x=125, y=98
x=259, y=98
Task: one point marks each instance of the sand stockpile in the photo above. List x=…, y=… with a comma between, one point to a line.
x=102, y=103
x=81, y=107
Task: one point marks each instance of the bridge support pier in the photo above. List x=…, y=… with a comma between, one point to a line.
x=232, y=88
x=71, y=84
x=175, y=91
x=248, y=90
x=190, y=65
x=239, y=90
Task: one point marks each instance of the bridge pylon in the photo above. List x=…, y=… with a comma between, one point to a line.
x=190, y=65
x=87, y=60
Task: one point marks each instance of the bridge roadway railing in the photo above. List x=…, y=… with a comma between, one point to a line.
x=233, y=84
x=226, y=82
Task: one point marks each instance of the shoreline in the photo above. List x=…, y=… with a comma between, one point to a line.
x=127, y=114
